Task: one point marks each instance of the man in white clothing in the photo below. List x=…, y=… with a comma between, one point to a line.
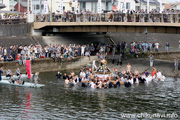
x=82, y=74
x=151, y=57
x=156, y=47
x=82, y=50
x=94, y=65
x=159, y=75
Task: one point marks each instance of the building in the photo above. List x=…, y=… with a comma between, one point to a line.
x=23, y=7
x=12, y=3
x=167, y=6
x=55, y=5
x=2, y=6
x=153, y=4
x=6, y=3
x=91, y=5
x=106, y=5
x=175, y=6
x=68, y=5
x=38, y=6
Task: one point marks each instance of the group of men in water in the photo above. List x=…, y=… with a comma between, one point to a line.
x=106, y=79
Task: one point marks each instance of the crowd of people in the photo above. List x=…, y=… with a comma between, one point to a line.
x=56, y=52
x=60, y=53
x=13, y=16
x=89, y=78
x=114, y=15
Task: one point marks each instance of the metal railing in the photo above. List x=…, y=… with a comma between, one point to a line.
x=13, y=21
x=109, y=17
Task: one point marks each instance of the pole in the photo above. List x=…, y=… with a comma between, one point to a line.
x=51, y=12
x=31, y=5
x=119, y=5
x=28, y=7
x=28, y=11
x=105, y=5
x=40, y=6
x=147, y=6
x=160, y=6
x=99, y=6
x=19, y=5
x=124, y=6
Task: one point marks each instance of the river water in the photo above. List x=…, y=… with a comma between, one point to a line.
x=58, y=101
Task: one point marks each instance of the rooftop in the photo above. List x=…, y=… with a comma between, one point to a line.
x=2, y=6
x=150, y=1
x=170, y=5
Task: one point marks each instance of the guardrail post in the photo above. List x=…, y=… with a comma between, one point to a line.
x=162, y=17
x=76, y=17
x=35, y=17
x=112, y=17
x=61, y=17
x=89, y=17
x=46, y=18
x=148, y=17
x=134, y=17
x=139, y=17
x=125, y=17
x=176, y=17
x=171, y=18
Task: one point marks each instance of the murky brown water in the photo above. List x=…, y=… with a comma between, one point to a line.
x=58, y=101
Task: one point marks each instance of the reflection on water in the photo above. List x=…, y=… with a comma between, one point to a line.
x=59, y=101
x=28, y=107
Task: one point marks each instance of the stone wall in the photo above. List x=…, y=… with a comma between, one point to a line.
x=15, y=29
x=43, y=65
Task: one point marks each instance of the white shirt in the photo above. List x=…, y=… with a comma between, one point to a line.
x=94, y=62
x=157, y=45
x=159, y=75
x=131, y=81
x=83, y=74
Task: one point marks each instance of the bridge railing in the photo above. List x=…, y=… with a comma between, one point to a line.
x=13, y=21
x=109, y=17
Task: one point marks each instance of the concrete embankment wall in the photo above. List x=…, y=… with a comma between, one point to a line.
x=65, y=39
x=173, y=39
x=43, y=65
x=75, y=38
x=20, y=40
x=15, y=29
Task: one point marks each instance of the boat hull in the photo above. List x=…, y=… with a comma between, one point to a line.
x=24, y=76
x=26, y=84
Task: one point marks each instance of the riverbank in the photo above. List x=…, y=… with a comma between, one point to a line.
x=163, y=61
x=47, y=65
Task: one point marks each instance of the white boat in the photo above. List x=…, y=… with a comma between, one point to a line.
x=24, y=76
x=26, y=84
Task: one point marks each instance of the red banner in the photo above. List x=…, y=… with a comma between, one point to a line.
x=28, y=68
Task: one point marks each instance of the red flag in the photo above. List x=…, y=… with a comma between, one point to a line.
x=28, y=68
